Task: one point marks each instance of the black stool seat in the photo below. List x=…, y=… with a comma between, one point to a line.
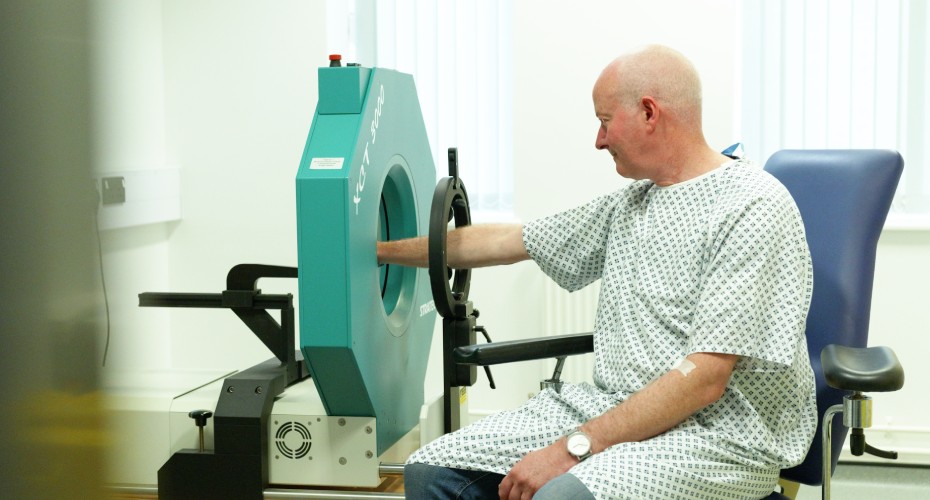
x=862, y=369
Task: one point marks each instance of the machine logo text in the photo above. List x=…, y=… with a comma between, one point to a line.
x=427, y=308
x=366, y=161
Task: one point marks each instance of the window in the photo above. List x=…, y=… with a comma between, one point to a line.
x=841, y=74
x=460, y=56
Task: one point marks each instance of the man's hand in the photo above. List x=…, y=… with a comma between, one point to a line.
x=658, y=407
x=536, y=469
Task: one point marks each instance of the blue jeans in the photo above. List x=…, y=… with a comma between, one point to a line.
x=422, y=482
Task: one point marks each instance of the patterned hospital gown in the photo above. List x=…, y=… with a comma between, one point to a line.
x=718, y=263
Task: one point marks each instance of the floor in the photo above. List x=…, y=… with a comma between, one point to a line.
x=854, y=481
x=851, y=481
x=390, y=487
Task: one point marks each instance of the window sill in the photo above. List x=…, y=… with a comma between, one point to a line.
x=907, y=222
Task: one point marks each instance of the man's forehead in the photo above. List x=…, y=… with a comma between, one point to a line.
x=605, y=96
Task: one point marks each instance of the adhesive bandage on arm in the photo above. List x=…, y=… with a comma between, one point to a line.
x=685, y=366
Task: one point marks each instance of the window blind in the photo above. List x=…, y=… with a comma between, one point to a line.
x=840, y=74
x=460, y=55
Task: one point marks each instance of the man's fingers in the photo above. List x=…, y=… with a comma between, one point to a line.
x=515, y=488
x=503, y=491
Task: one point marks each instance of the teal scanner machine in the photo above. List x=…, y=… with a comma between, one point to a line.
x=366, y=174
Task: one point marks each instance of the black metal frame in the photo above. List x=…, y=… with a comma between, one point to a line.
x=238, y=465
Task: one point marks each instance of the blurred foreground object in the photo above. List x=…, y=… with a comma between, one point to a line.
x=50, y=428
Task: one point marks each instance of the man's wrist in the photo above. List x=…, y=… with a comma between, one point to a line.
x=579, y=444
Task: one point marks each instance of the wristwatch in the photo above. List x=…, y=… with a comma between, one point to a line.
x=578, y=444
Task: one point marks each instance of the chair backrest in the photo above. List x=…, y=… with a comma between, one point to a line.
x=844, y=197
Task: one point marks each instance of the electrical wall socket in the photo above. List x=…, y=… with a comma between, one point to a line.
x=136, y=197
x=113, y=190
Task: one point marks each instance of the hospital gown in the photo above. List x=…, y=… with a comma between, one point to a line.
x=719, y=264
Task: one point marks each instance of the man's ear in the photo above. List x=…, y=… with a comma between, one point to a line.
x=651, y=111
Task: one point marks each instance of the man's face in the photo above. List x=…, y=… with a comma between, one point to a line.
x=617, y=132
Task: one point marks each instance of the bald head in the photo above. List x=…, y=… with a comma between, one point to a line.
x=660, y=72
x=648, y=103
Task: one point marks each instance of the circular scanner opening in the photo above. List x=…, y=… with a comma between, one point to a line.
x=397, y=219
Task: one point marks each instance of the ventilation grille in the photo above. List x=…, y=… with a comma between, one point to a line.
x=293, y=440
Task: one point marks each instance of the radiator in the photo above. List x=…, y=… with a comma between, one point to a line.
x=567, y=313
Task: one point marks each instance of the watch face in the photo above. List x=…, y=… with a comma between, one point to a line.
x=578, y=444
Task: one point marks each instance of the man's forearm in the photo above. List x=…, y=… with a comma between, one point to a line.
x=411, y=252
x=664, y=403
x=466, y=248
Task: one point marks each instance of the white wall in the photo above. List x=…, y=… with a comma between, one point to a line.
x=129, y=118
x=899, y=299
x=226, y=91
x=240, y=86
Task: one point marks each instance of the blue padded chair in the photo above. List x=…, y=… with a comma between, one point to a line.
x=844, y=197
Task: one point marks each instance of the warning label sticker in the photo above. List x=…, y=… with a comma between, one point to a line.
x=326, y=163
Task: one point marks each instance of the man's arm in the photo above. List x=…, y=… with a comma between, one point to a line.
x=661, y=405
x=466, y=248
x=664, y=403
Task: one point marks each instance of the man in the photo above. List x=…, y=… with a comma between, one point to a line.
x=703, y=386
